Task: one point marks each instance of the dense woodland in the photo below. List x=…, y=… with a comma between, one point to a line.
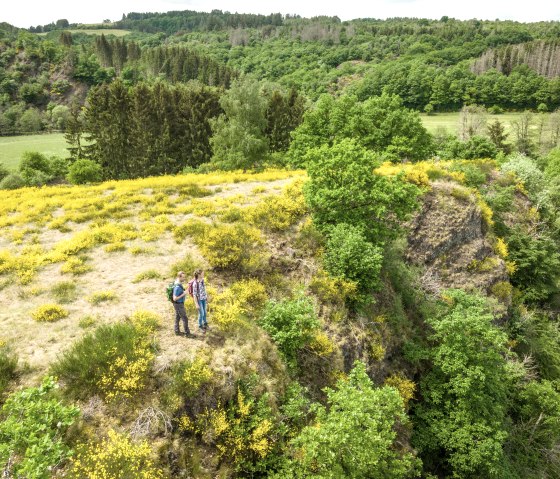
x=393, y=313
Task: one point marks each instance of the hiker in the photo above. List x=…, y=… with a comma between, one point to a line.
x=179, y=294
x=200, y=299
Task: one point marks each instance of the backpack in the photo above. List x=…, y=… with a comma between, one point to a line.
x=169, y=291
x=190, y=287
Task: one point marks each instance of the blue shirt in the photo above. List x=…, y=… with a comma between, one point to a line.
x=178, y=290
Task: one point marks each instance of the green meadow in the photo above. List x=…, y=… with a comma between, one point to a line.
x=12, y=147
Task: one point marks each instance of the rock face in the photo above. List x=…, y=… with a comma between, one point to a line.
x=448, y=238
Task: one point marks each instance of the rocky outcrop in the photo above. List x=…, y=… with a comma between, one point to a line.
x=449, y=239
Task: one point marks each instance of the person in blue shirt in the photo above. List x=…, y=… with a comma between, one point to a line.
x=179, y=294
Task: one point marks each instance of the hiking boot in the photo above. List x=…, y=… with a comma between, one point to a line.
x=189, y=335
x=178, y=333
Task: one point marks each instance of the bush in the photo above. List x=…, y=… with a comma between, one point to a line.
x=355, y=436
x=8, y=365
x=231, y=246
x=49, y=313
x=3, y=171
x=12, y=182
x=64, y=291
x=31, y=162
x=291, y=324
x=102, y=296
x=111, y=360
x=32, y=432
x=116, y=457
x=527, y=171
x=349, y=256
x=84, y=171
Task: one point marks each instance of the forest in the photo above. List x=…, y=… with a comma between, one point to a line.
x=383, y=300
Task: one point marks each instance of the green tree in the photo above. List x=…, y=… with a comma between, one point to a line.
x=461, y=424
x=381, y=124
x=350, y=256
x=344, y=188
x=239, y=140
x=354, y=436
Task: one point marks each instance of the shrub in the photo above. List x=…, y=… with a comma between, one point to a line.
x=526, y=170
x=35, y=168
x=49, y=313
x=64, y=291
x=191, y=375
x=245, y=432
x=102, y=296
x=145, y=321
x=116, y=457
x=32, y=431
x=188, y=264
x=404, y=386
x=331, y=447
x=8, y=365
x=3, y=171
x=12, y=181
x=114, y=247
x=292, y=324
x=331, y=289
x=231, y=246
x=112, y=361
x=348, y=255
x=84, y=171
x=75, y=266
x=150, y=274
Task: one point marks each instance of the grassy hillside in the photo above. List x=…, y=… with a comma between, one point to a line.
x=105, y=239
x=12, y=147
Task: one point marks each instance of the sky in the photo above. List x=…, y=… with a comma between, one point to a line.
x=25, y=13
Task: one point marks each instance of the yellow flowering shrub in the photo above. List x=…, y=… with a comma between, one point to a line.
x=404, y=386
x=113, y=247
x=278, y=212
x=48, y=313
x=193, y=375
x=502, y=290
x=75, y=266
x=321, y=344
x=242, y=432
x=332, y=290
x=250, y=293
x=500, y=248
x=145, y=321
x=102, y=297
x=485, y=210
x=127, y=374
x=511, y=267
x=421, y=172
x=228, y=246
x=116, y=457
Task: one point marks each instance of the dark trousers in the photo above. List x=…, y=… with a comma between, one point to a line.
x=180, y=314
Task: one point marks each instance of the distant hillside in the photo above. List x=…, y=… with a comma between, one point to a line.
x=541, y=56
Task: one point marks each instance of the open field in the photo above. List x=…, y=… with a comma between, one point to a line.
x=12, y=147
x=450, y=121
